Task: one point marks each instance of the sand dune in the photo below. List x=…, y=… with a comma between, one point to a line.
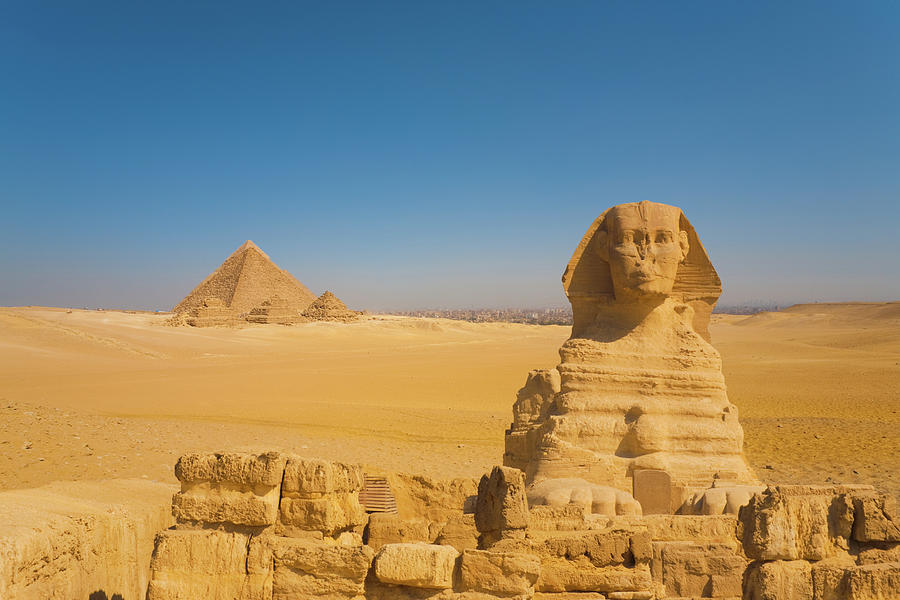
x=95, y=394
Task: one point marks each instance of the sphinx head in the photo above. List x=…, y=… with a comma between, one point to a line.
x=643, y=243
x=639, y=254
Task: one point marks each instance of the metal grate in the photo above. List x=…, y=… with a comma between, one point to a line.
x=376, y=496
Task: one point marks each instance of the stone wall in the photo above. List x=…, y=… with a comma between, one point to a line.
x=281, y=526
x=821, y=543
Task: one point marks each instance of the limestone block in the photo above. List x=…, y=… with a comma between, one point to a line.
x=579, y=575
x=797, y=522
x=779, y=580
x=876, y=518
x=720, y=529
x=329, y=514
x=436, y=500
x=319, y=495
x=840, y=579
x=694, y=569
x=319, y=569
x=502, y=503
x=416, y=565
x=831, y=578
x=607, y=547
x=309, y=477
x=498, y=573
x=387, y=528
x=218, y=504
x=570, y=517
x=459, y=532
x=596, y=499
x=241, y=489
x=613, y=560
x=875, y=582
x=881, y=553
x=247, y=469
x=205, y=564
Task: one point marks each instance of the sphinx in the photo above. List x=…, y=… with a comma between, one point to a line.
x=639, y=386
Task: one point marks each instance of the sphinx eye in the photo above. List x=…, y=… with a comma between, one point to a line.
x=664, y=237
x=627, y=237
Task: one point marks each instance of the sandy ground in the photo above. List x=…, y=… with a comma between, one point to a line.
x=100, y=394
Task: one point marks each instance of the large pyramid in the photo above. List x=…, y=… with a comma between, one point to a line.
x=246, y=279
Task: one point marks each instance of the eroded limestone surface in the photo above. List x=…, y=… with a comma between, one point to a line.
x=68, y=540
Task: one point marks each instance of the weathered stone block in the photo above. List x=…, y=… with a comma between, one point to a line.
x=502, y=503
x=416, y=565
x=315, y=569
x=690, y=569
x=881, y=553
x=875, y=582
x=387, y=528
x=610, y=547
x=616, y=560
x=217, y=503
x=720, y=529
x=779, y=580
x=499, y=573
x=329, y=514
x=247, y=469
x=798, y=522
x=876, y=518
x=570, y=517
x=310, y=477
x=205, y=564
x=241, y=489
x=459, y=531
x=580, y=575
x=841, y=579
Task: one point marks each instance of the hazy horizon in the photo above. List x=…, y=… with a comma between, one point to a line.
x=415, y=156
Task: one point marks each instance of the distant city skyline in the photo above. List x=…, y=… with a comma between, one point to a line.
x=423, y=155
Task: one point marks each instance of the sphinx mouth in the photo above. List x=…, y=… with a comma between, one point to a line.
x=645, y=277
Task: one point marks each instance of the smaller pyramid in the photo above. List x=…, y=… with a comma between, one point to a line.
x=274, y=310
x=212, y=312
x=329, y=307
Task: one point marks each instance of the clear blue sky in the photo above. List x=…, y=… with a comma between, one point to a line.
x=442, y=154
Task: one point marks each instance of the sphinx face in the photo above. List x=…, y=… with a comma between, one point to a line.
x=644, y=246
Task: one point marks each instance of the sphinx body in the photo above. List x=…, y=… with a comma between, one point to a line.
x=639, y=385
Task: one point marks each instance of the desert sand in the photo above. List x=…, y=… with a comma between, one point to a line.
x=104, y=394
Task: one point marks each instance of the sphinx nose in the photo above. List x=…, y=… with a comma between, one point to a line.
x=643, y=248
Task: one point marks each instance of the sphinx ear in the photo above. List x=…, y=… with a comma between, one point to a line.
x=601, y=244
x=683, y=242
